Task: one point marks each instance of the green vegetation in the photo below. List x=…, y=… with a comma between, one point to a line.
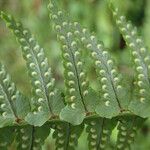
x=106, y=94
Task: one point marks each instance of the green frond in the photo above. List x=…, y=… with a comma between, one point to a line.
x=27, y=123
x=44, y=91
x=13, y=105
x=66, y=135
x=99, y=132
x=77, y=88
x=112, y=97
x=112, y=102
x=127, y=131
x=30, y=137
x=141, y=56
x=7, y=136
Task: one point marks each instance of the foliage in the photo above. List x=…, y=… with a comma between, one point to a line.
x=80, y=106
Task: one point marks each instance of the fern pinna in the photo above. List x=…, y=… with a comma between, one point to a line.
x=78, y=93
x=13, y=105
x=44, y=92
x=29, y=120
x=140, y=105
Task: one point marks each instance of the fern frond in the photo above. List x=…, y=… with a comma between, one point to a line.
x=13, y=105
x=112, y=100
x=128, y=128
x=141, y=56
x=7, y=136
x=44, y=92
x=77, y=89
x=66, y=135
x=99, y=132
x=30, y=137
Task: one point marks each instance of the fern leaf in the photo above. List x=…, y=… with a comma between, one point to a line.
x=30, y=137
x=112, y=100
x=77, y=89
x=13, y=105
x=141, y=56
x=99, y=132
x=127, y=131
x=45, y=95
x=7, y=136
x=66, y=135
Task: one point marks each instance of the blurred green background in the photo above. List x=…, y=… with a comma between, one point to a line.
x=93, y=14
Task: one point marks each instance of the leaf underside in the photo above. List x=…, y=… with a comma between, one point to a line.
x=99, y=132
x=127, y=130
x=82, y=102
x=30, y=137
x=140, y=105
x=66, y=135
